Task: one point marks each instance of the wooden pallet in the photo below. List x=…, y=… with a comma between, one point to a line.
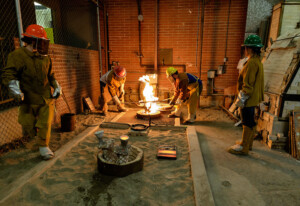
x=294, y=134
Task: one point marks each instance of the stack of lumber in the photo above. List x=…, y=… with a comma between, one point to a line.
x=294, y=134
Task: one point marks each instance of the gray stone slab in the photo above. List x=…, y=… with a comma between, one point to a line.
x=202, y=190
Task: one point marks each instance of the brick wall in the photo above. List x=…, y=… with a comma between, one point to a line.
x=177, y=30
x=77, y=71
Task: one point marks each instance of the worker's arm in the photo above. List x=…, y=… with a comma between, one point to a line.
x=111, y=86
x=11, y=75
x=57, y=88
x=183, y=89
x=250, y=78
x=176, y=93
x=12, y=69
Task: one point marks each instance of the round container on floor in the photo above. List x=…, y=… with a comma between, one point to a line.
x=68, y=121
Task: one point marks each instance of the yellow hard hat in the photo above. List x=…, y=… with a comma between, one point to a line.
x=170, y=71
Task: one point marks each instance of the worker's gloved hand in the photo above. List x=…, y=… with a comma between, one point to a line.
x=57, y=90
x=15, y=91
x=116, y=100
x=122, y=93
x=179, y=101
x=241, y=99
x=172, y=103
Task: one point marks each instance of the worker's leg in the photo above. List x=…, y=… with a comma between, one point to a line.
x=192, y=104
x=44, y=121
x=27, y=120
x=249, y=123
x=177, y=112
x=104, y=99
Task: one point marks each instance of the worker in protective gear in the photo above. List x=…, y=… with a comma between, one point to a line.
x=250, y=93
x=188, y=88
x=112, y=87
x=29, y=77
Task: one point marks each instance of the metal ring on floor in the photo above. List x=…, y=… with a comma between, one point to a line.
x=139, y=127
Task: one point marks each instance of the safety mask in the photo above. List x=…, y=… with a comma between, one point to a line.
x=41, y=46
x=171, y=79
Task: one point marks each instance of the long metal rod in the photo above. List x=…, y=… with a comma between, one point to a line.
x=19, y=20
x=202, y=28
x=156, y=44
x=198, y=26
x=229, y=6
x=99, y=38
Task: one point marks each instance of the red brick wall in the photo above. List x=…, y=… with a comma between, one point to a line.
x=77, y=71
x=177, y=30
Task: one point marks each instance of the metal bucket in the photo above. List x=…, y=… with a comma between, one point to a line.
x=68, y=121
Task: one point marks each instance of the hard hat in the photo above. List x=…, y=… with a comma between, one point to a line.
x=120, y=71
x=170, y=71
x=253, y=41
x=35, y=31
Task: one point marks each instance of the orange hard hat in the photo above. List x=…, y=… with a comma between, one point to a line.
x=120, y=71
x=35, y=31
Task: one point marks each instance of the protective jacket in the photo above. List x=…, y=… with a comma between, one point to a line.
x=112, y=84
x=251, y=81
x=185, y=84
x=34, y=73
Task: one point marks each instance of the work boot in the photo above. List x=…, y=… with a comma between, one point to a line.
x=243, y=148
x=251, y=140
x=121, y=108
x=191, y=119
x=46, y=153
x=173, y=115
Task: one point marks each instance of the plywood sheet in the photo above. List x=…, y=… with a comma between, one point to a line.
x=275, y=68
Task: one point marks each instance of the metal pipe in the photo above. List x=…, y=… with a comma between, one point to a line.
x=155, y=35
x=202, y=28
x=99, y=38
x=19, y=19
x=198, y=32
x=227, y=30
x=156, y=43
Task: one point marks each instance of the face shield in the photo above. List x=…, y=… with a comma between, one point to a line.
x=171, y=79
x=41, y=46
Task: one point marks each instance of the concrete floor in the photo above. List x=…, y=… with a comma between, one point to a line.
x=265, y=177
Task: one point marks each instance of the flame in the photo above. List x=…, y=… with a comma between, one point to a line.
x=149, y=95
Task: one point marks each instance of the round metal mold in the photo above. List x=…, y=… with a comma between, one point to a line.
x=142, y=115
x=134, y=164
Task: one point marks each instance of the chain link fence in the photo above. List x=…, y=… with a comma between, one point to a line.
x=67, y=22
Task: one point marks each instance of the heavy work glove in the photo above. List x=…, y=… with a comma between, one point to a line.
x=172, y=103
x=15, y=91
x=57, y=91
x=122, y=93
x=120, y=107
x=241, y=99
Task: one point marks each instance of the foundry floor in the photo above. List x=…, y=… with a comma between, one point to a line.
x=265, y=177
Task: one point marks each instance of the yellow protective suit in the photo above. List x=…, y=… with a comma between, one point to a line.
x=188, y=93
x=36, y=79
x=110, y=86
x=251, y=81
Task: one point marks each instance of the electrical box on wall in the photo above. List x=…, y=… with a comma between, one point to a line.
x=221, y=69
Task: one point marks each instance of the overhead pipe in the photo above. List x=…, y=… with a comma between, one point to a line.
x=99, y=38
x=198, y=26
x=201, y=40
x=228, y=20
x=19, y=20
